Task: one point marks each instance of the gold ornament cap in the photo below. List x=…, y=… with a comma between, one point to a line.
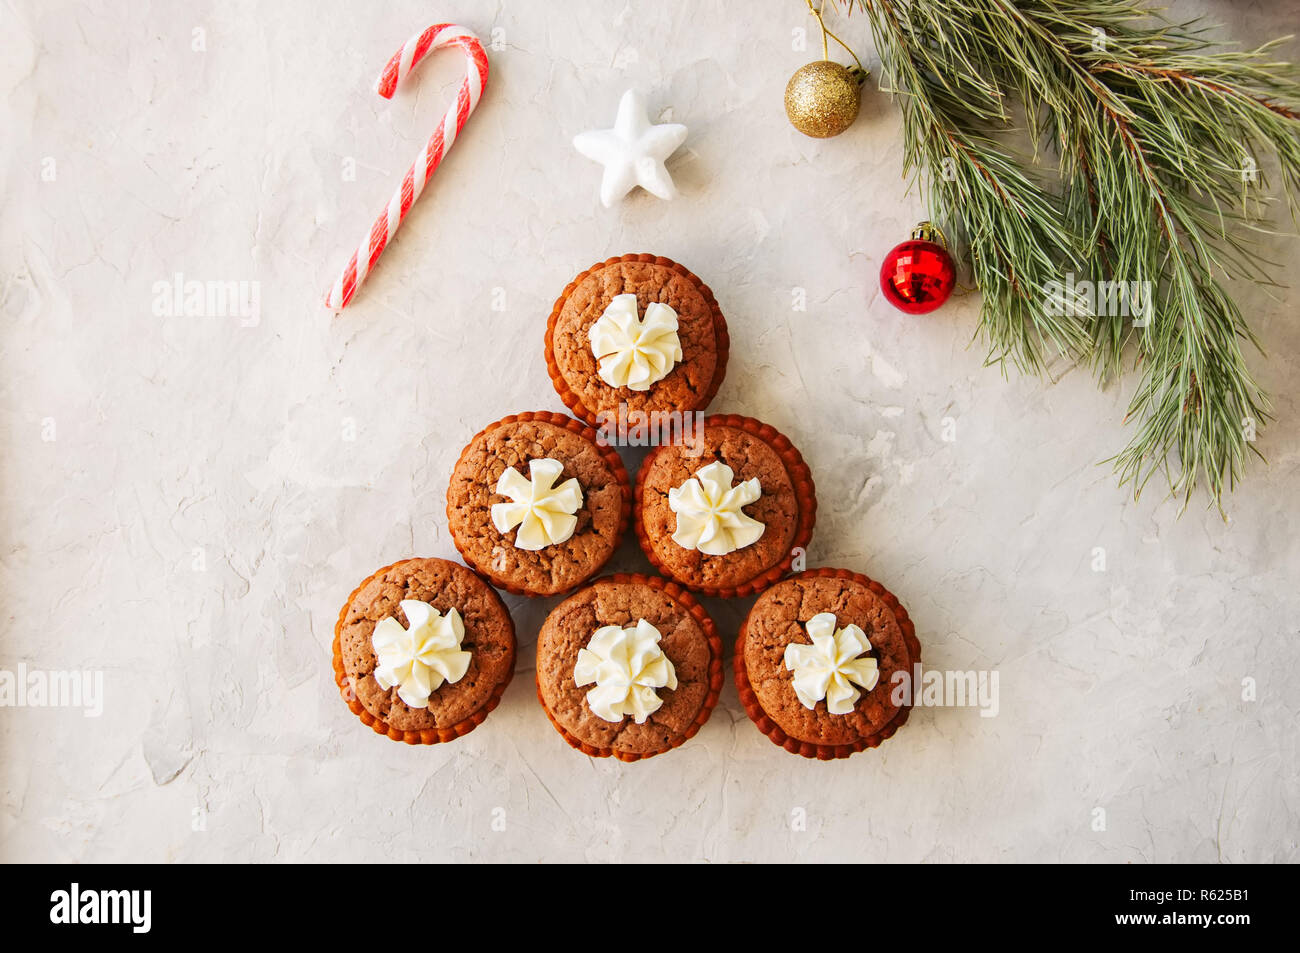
x=822, y=98
x=930, y=232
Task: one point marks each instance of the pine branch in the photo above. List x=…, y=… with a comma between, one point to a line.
x=1159, y=139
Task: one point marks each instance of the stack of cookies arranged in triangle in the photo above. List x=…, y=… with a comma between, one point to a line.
x=630, y=665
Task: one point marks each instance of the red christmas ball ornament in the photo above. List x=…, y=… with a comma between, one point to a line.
x=918, y=275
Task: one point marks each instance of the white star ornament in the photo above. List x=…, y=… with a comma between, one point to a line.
x=633, y=152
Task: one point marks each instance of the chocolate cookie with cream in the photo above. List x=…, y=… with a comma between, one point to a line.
x=636, y=334
x=536, y=504
x=819, y=662
x=423, y=651
x=628, y=667
x=726, y=512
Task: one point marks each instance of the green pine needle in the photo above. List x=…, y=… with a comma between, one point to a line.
x=1160, y=138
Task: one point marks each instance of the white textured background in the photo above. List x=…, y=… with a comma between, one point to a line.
x=184, y=442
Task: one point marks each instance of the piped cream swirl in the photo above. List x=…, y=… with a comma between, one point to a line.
x=543, y=511
x=709, y=515
x=628, y=667
x=830, y=668
x=635, y=352
x=419, y=658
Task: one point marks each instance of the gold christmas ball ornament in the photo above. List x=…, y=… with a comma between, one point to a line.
x=822, y=98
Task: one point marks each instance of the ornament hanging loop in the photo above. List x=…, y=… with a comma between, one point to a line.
x=861, y=72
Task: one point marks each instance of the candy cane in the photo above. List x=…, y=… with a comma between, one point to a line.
x=403, y=61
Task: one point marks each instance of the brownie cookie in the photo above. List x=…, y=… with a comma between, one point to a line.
x=723, y=514
x=423, y=650
x=816, y=659
x=638, y=331
x=588, y=646
x=536, y=505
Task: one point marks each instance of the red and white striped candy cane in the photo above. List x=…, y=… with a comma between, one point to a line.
x=403, y=61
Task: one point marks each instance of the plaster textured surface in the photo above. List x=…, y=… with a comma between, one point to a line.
x=185, y=501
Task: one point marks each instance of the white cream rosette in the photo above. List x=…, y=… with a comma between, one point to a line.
x=419, y=658
x=708, y=508
x=832, y=666
x=543, y=511
x=635, y=352
x=628, y=667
